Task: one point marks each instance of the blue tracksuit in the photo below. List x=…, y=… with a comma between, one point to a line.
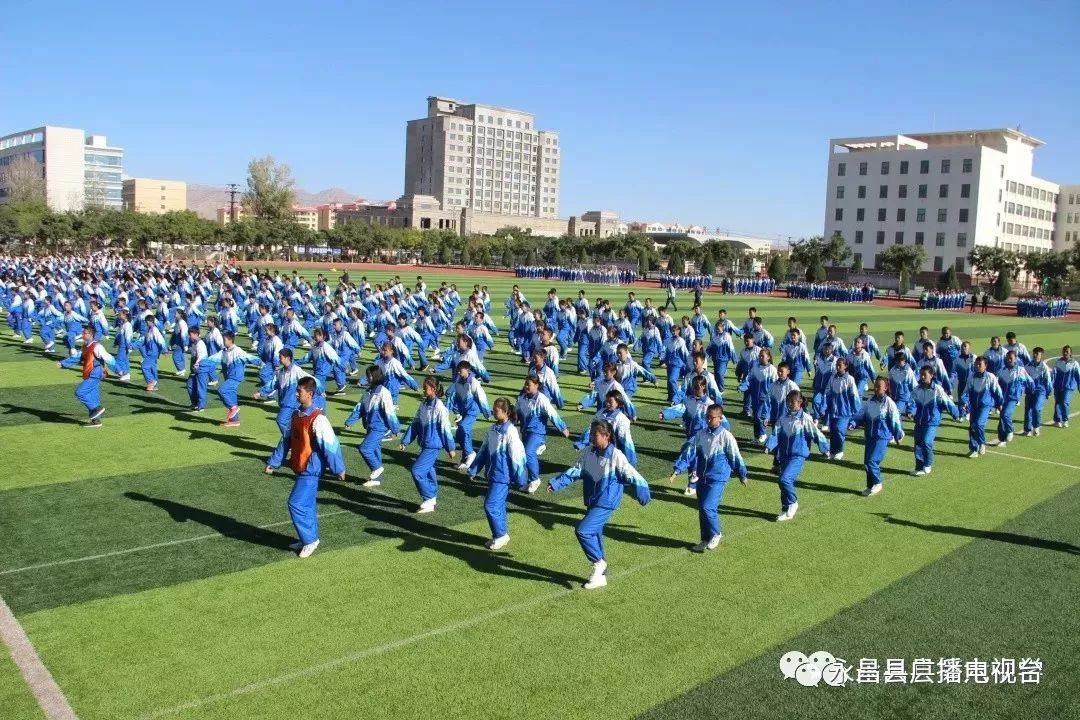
x=758, y=385
x=198, y=375
x=534, y=413
x=376, y=411
x=270, y=355
x=902, y=382
x=1014, y=382
x=604, y=475
x=151, y=346
x=431, y=429
x=792, y=438
x=468, y=399
x=1041, y=386
x=233, y=361
x=982, y=394
x=881, y=421
x=502, y=459
x=325, y=454
x=1066, y=381
x=620, y=424
x=94, y=359
x=285, y=385
x=824, y=369
x=929, y=402
x=716, y=457
x=843, y=402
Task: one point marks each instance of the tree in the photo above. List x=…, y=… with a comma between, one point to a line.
x=466, y=256
x=507, y=256
x=836, y=250
x=271, y=192
x=676, y=262
x=1002, y=288
x=24, y=180
x=708, y=267
x=950, y=280
x=778, y=267
x=1048, y=268
x=857, y=266
x=444, y=254
x=903, y=259
x=987, y=260
x=816, y=271
x=643, y=263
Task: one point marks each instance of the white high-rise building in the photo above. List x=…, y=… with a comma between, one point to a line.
x=78, y=169
x=946, y=191
x=484, y=158
x=1068, y=217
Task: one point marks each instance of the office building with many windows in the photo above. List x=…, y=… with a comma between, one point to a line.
x=154, y=197
x=488, y=159
x=1068, y=217
x=77, y=169
x=946, y=191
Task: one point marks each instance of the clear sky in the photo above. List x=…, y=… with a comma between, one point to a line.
x=693, y=111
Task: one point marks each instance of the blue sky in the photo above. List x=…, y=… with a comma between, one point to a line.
x=727, y=111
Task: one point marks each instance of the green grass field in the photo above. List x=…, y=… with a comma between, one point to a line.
x=148, y=563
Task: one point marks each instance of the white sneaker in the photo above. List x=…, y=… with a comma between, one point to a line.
x=762, y=438
x=1065, y=424
x=974, y=454
x=469, y=459
x=497, y=543
x=376, y=473
x=540, y=450
x=1027, y=433
x=1002, y=443
x=690, y=491
x=927, y=470
x=125, y=377
x=788, y=514
x=307, y=550
x=49, y=347
x=371, y=483
x=872, y=490
x=918, y=473
x=824, y=428
x=426, y=507
x=838, y=456
x=463, y=466
x=1009, y=437
x=710, y=544
x=533, y=486
x=1035, y=432
x=982, y=449
x=598, y=579
x=181, y=373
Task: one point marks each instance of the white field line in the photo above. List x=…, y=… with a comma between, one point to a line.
x=47, y=693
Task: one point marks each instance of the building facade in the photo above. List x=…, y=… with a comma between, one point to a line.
x=77, y=169
x=1068, y=217
x=154, y=197
x=946, y=191
x=307, y=217
x=483, y=158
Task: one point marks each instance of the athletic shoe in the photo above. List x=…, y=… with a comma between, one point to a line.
x=212, y=383
x=296, y=545
x=389, y=436
x=497, y=543
x=231, y=423
x=838, y=456
x=426, y=507
x=126, y=377
x=762, y=438
x=982, y=449
x=690, y=491
x=463, y=466
x=927, y=469
x=872, y=490
x=97, y=412
x=197, y=409
x=469, y=459
x=598, y=579
x=1065, y=424
x=371, y=483
x=974, y=454
x=376, y=474
x=540, y=450
x=93, y=424
x=788, y=514
x=339, y=391
x=824, y=428
x=1035, y=432
x=352, y=373
x=180, y=373
x=710, y=544
x=307, y=550
x=48, y=347
x=1009, y=437
x=1002, y=443
x=28, y=341
x=533, y=487
x=1027, y=433
x=918, y=473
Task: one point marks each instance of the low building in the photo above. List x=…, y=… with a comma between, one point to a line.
x=154, y=197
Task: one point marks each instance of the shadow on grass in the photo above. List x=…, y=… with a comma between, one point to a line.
x=223, y=524
x=50, y=416
x=997, y=535
x=225, y=436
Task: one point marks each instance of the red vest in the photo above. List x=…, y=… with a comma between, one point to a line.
x=300, y=440
x=88, y=359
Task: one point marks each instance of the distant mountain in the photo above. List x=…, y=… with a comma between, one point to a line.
x=206, y=199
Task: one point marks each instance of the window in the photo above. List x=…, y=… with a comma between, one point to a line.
x=899, y=237
x=901, y=191
x=939, y=240
x=881, y=214
x=959, y=264
x=965, y=190
x=963, y=215
x=942, y=215
x=880, y=237
x=860, y=214
x=1012, y=183
x=920, y=215
x=857, y=258
x=966, y=166
x=841, y=170
x=945, y=166
x=839, y=214
x=862, y=168
x=920, y=238
x=961, y=240
x=884, y=167
x=862, y=192
x=924, y=167
x=901, y=215
x=939, y=262
x=858, y=237
x=883, y=191
x=922, y=190
x=839, y=192
x=903, y=167
x=943, y=190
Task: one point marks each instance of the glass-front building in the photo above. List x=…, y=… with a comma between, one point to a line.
x=77, y=169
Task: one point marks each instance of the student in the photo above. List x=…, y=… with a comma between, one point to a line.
x=199, y=373
x=796, y=356
x=601, y=388
x=963, y=366
x=824, y=369
x=929, y=400
x=1042, y=385
x=896, y=350
x=393, y=372
x=502, y=459
x=1023, y=357
x=286, y=381
x=122, y=343
x=151, y=346
x=233, y=360
x=861, y=365
x=747, y=359
x=534, y=412
x=716, y=456
x=692, y=413
x=994, y=355
x=676, y=358
x=792, y=438
x=881, y=421
x=927, y=358
x=467, y=398
x=758, y=385
x=1066, y=381
x=1014, y=382
x=982, y=394
x=549, y=381
x=614, y=413
x=313, y=448
x=431, y=429
x=376, y=411
x=94, y=360
x=902, y=382
x=604, y=472
x=843, y=403
x=778, y=393
x=178, y=341
x=627, y=372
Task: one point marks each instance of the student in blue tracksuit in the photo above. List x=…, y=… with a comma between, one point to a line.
x=778, y=393
x=393, y=372
x=927, y=358
x=467, y=398
x=376, y=411
x=73, y=325
x=881, y=422
x=122, y=343
x=796, y=355
x=692, y=414
x=178, y=341
x=676, y=358
x=930, y=400
x=1014, y=382
x=233, y=360
x=199, y=373
x=700, y=369
x=325, y=362
x=269, y=349
x=758, y=385
x=792, y=438
x=982, y=394
x=94, y=361
x=534, y=412
x=151, y=346
x=549, y=381
x=824, y=369
x=289, y=374
x=716, y=458
x=994, y=355
x=502, y=460
x=614, y=413
x=604, y=472
x=963, y=367
x=600, y=389
x=843, y=403
x=861, y=366
x=902, y=382
x=1042, y=385
x=1066, y=381
x=431, y=429
x=313, y=448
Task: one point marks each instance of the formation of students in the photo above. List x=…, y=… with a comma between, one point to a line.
x=943, y=299
x=1042, y=306
x=616, y=347
x=748, y=285
x=598, y=275
x=832, y=291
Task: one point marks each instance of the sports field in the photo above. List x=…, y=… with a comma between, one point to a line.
x=148, y=563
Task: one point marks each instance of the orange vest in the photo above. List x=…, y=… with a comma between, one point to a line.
x=300, y=437
x=88, y=359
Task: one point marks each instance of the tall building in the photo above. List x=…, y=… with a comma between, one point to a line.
x=946, y=191
x=1068, y=217
x=154, y=197
x=78, y=169
x=484, y=158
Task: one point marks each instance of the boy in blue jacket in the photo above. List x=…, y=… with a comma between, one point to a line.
x=1066, y=380
x=929, y=400
x=431, y=430
x=502, y=459
x=717, y=457
x=881, y=422
x=376, y=411
x=1042, y=385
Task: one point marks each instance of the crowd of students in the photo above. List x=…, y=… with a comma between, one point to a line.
x=1042, y=306
x=832, y=291
x=943, y=299
x=598, y=275
x=303, y=335
x=748, y=285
